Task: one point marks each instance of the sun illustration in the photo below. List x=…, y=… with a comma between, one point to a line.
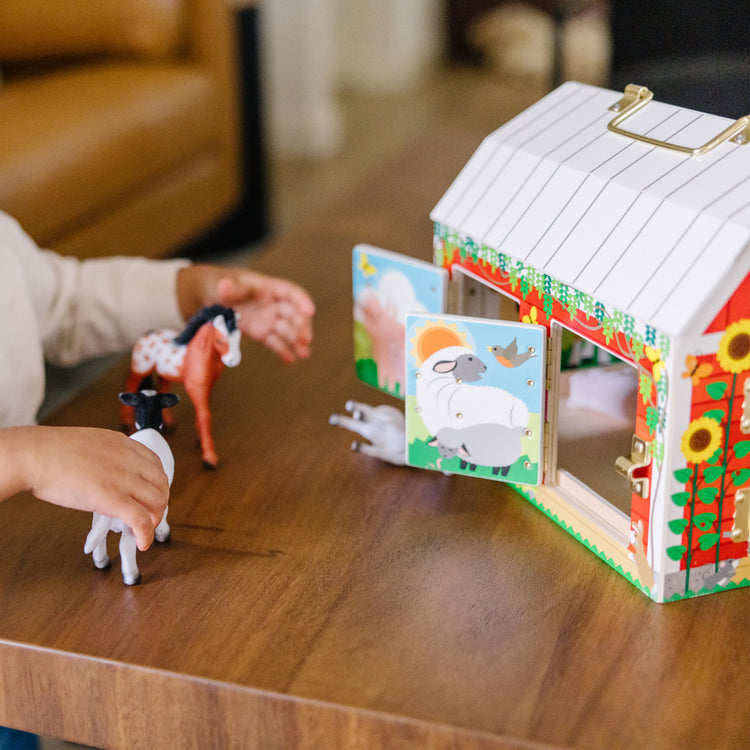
x=734, y=347
x=701, y=440
x=434, y=336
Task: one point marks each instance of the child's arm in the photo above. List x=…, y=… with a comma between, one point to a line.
x=274, y=311
x=86, y=469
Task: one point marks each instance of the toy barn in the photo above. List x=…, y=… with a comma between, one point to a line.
x=642, y=250
x=621, y=225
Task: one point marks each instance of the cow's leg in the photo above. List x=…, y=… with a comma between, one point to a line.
x=130, y=573
x=99, y=553
x=100, y=556
x=161, y=533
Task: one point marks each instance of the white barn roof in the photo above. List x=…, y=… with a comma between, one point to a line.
x=661, y=235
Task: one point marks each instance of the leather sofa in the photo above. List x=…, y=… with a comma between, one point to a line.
x=119, y=122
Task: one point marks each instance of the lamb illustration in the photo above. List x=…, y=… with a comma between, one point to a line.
x=446, y=396
x=493, y=445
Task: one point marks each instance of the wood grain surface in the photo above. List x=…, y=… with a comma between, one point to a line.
x=311, y=597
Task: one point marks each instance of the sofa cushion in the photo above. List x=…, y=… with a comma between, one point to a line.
x=107, y=132
x=45, y=29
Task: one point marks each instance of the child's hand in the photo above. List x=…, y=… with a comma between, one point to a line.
x=274, y=311
x=87, y=469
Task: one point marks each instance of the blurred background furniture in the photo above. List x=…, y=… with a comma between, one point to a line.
x=461, y=14
x=122, y=125
x=688, y=52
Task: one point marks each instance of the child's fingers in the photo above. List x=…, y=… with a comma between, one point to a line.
x=298, y=297
x=141, y=523
x=144, y=504
x=293, y=329
x=142, y=511
x=249, y=286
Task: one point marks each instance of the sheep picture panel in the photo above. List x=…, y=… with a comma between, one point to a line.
x=475, y=395
x=385, y=286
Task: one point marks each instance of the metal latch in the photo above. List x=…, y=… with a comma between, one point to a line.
x=745, y=422
x=741, y=526
x=626, y=466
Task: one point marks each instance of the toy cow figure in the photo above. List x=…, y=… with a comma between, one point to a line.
x=148, y=421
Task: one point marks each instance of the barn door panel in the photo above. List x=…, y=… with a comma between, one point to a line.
x=475, y=393
x=385, y=286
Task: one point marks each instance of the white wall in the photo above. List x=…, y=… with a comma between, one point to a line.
x=384, y=46
x=298, y=64
x=311, y=47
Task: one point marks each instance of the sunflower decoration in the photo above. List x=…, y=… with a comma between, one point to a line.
x=701, y=440
x=734, y=347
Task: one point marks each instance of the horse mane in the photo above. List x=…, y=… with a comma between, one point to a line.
x=202, y=317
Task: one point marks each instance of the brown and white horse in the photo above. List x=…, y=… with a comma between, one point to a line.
x=196, y=357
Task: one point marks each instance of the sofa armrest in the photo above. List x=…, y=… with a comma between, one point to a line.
x=43, y=30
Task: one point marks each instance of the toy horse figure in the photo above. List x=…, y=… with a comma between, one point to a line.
x=196, y=357
x=148, y=420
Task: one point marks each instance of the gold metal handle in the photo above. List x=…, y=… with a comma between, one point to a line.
x=637, y=97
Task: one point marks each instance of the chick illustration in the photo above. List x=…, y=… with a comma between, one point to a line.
x=508, y=356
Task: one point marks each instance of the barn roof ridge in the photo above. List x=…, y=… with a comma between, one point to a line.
x=658, y=234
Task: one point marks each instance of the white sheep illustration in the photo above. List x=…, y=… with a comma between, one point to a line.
x=446, y=396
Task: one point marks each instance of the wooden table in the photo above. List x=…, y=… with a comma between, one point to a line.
x=314, y=598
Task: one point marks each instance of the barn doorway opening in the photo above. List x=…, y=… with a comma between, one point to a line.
x=597, y=396
x=476, y=298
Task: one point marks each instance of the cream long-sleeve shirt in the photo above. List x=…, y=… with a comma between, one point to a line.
x=64, y=310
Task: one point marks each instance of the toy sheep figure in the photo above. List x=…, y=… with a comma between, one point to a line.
x=383, y=426
x=148, y=421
